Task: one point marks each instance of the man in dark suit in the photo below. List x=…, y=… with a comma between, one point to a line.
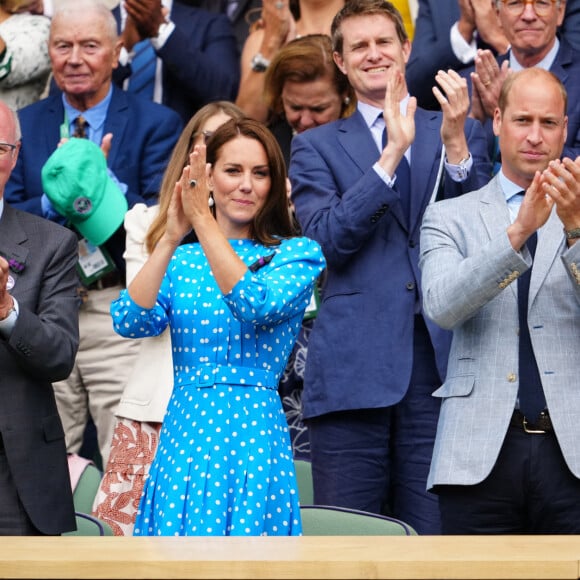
x=138, y=137
x=531, y=29
x=373, y=361
x=242, y=14
x=38, y=342
x=196, y=50
x=448, y=34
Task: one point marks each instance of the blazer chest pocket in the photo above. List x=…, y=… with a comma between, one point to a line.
x=52, y=427
x=456, y=386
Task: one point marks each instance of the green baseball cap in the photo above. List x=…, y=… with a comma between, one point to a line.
x=76, y=181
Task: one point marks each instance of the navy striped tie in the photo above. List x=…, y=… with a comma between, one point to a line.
x=142, y=79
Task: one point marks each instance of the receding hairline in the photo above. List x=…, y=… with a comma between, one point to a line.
x=72, y=8
x=526, y=75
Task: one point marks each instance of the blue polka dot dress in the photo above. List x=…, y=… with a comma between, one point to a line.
x=224, y=464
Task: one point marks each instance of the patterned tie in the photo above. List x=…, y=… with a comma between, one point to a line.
x=530, y=393
x=81, y=126
x=142, y=79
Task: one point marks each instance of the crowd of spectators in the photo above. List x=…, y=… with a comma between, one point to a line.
x=376, y=110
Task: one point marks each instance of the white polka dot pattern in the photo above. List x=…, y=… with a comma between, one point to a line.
x=224, y=464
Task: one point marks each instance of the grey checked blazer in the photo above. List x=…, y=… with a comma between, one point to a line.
x=468, y=269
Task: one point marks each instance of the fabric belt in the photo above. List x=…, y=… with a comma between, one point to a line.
x=542, y=425
x=208, y=375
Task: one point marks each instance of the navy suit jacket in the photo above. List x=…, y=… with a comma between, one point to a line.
x=432, y=50
x=360, y=352
x=245, y=13
x=144, y=134
x=40, y=350
x=201, y=61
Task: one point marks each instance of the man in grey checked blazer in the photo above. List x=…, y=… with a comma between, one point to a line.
x=496, y=471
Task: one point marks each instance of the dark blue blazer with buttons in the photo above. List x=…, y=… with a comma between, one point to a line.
x=201, y=61
x=144, y=134
x=360, y=351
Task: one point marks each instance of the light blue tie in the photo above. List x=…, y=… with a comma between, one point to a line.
x=142, y=79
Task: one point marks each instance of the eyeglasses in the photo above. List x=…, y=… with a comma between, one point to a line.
x=517, y=7
x=6, y=148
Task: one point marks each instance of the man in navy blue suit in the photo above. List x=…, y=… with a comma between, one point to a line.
x=373, y=360
x=196, y=50
x=137, y=137
x=531, y=29
x=449, y=32
x=447, y=35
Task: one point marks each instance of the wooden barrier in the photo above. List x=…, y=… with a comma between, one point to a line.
x=352, y=557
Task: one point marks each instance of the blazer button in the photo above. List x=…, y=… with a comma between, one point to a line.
x=511, y=378
x=410, y=285
x=412, y=243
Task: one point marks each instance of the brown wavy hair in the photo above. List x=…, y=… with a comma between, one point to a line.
x=304, y=60
x=180, y=158
x=273, y=221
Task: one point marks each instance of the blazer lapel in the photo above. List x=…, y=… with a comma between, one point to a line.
x=12, y=238
x=494, y=214
x=551, y=243
x=425, y=156
x=51, y=128
x=116, y=123
x=355, y=138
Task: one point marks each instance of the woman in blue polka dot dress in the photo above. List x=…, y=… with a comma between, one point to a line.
x=234, y=303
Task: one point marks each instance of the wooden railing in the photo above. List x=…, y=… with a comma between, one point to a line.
x=352, y=557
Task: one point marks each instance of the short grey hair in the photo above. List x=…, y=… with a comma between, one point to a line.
x=67, y=8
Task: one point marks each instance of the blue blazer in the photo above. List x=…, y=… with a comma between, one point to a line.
x=201, y=61
x=566, y=67
x=360, y=352
x=144, y=134
x=431, y=49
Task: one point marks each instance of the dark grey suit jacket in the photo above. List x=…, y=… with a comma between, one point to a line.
x=40, y=350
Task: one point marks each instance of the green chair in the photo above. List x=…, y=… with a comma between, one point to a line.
x=86, y=489
x=318, y=520
x=303, y=470
x=88, y=525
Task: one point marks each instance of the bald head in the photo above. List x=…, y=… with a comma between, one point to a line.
x=9, y=143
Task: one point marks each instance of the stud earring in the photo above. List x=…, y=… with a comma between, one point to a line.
x=211, y=201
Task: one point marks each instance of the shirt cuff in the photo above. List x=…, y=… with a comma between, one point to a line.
x=465, y=52
x=7, y=325
x=389, y=181
x=459, y=173
x=163, y=34
x=125, y=56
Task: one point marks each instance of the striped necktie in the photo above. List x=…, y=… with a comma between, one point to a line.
x=142, y=79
